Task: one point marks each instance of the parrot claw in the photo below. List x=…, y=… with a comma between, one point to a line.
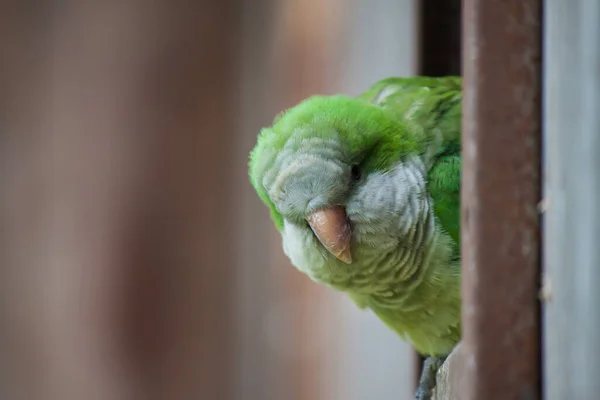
x=427, y=381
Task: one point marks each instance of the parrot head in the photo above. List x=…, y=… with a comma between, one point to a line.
x=325, y=170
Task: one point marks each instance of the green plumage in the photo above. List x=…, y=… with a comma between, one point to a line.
x=434, y=104
x=404, y=135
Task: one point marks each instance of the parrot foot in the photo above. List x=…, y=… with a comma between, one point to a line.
x=427, y=380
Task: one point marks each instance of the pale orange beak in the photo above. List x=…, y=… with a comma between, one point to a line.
x=333, y=231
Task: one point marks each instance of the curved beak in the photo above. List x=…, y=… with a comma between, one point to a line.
x=333, y=231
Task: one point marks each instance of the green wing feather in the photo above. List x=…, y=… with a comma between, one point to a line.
x=435, y=105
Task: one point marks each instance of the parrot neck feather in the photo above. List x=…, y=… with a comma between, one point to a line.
x=396, y=237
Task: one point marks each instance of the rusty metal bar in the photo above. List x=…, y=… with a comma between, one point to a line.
x=500, y=193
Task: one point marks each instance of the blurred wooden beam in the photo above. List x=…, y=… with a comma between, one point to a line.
x=304, y=54
x=116, y=266
x=500, y=353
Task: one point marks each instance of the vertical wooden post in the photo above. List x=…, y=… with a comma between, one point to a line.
x=500, y=194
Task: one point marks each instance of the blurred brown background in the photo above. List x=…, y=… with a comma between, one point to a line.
x=137, y=261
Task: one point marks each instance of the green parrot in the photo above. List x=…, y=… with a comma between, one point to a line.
x=365, y=192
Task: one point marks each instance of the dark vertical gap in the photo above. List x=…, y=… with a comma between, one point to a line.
x=439, y=54
x=440, y=37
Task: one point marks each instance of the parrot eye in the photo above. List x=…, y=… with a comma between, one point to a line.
x=355, y=171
